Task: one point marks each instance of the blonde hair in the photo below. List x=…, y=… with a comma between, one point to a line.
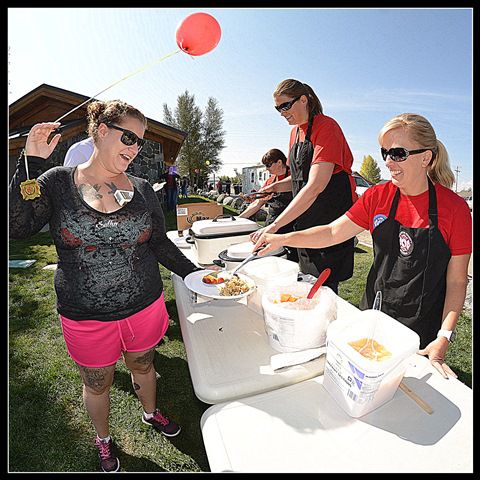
x=295, y=88
x=421, y=132
x=111, y=111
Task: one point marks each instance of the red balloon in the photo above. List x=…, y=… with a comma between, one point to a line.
x=197, y=34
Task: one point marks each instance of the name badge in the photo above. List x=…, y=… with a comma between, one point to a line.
x=30, y=189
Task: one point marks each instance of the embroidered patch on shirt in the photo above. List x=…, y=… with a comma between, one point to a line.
x=406, y=243
x=378, y=219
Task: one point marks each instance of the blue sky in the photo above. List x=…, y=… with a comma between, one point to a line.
x=366, y=66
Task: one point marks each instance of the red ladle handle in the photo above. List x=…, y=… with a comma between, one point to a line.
x=320, y=280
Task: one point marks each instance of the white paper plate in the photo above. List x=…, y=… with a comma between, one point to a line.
x=194, y=282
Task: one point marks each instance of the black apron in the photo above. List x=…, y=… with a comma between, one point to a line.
x=330, y=204
x=410, y=268
x=277, y=205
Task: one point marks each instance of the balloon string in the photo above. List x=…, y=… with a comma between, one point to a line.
x=121, y=80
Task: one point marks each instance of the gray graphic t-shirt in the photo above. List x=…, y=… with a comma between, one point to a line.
x=107, y=262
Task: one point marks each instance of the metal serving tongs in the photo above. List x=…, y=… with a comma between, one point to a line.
x=377, y=305
x=257, y=194
x=251, y=197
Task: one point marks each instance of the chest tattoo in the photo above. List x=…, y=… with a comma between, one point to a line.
x=90, y=192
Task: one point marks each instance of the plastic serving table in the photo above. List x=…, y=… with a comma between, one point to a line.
x=227, y=347
x=300, y=428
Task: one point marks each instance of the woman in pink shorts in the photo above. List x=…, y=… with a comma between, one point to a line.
x=109, y=232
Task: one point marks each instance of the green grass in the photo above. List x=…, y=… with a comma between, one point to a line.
x=49, y=430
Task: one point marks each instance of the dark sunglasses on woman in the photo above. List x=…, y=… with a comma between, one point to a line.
x=128, y=137
x=269, y=164
x=283, y=107
x=400, y=154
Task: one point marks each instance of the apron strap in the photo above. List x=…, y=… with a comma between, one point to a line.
x=296, y=145
x=432, y=203
x=393, y=208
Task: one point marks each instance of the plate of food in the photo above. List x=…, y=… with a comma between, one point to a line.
x=219, y=285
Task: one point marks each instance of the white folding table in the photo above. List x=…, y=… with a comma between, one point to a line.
x=285, y=421
x=228, y=351
x=227, y=347
x=300, y=428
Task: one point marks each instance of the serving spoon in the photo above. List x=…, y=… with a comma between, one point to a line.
x=319, y=282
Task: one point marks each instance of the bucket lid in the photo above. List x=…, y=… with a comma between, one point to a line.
x=271, y=265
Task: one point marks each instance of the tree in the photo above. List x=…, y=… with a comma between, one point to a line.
x=199, y=154
x=187, y=117
x=213, y=135
x=370, y=170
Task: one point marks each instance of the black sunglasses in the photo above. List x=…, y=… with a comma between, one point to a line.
x=283, y=107
x=128, y=137
x=400, y=154
x=269, y=164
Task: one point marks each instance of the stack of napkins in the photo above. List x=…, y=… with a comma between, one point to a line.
x=283, y=360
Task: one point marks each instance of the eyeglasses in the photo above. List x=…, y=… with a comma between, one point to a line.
x=128, y=137
x=283, y=107
x=400, y=154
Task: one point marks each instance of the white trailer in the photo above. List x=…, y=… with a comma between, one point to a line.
x=254, y=177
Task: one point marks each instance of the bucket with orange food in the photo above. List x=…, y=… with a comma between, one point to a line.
x=292, y=321
x=362, y=373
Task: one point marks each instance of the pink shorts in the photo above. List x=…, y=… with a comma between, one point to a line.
x=95, y=344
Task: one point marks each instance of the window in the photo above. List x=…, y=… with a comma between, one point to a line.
x=360, y=182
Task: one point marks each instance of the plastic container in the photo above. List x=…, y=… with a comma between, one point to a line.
x=210, y=237
x=360, y=385
x=269, y=272
x=300, y=325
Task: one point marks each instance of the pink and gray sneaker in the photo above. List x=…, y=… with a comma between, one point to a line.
x=162, y=424
x=109, y=462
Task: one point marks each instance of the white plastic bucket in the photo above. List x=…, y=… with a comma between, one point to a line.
x=300, y=325
x=269, y=272
x=360, y=385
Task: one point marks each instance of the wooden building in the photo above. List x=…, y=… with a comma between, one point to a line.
x=47, y=103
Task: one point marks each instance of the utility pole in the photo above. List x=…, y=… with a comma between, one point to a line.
x=456, y=182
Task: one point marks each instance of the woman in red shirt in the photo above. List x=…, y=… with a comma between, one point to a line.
x=422, y=236
x=321, y=179
x=276, y=163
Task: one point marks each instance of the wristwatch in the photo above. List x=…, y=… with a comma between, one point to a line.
x=448, y=334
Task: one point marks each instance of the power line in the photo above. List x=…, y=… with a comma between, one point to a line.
x=456, y=182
